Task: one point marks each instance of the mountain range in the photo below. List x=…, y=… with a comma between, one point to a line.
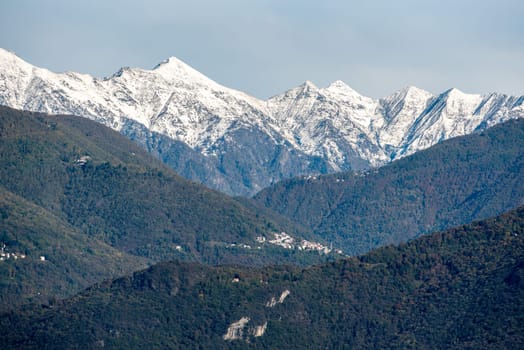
x=324, y=253
x=95, y=205
x=452, y=183
x=80, y=203
x=239, y=144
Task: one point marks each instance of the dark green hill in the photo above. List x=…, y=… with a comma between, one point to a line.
x=84, y=178
x=461, y=289
x=106, y=186
x=452, y=183
x=73, y=260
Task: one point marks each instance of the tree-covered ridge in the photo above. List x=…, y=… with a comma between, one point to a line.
x=90, y=184
x=452, y=183
x=460, y=289
x=113, y=189
x=105, y=185
x=44, y=257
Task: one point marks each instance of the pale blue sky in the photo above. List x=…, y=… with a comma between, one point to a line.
x=264, y=47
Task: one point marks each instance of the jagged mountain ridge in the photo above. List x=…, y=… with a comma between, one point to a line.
x=240, y=144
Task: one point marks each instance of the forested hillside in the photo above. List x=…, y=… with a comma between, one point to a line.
x=43, y=256
x=460, y=289
x=86, y=197
x=452, y=183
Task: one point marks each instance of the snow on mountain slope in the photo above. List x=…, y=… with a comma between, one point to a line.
x=335, y=123
x=440, y=121
x=454, y=113
x=173, y=98
x=398, y=110
x=245, y=142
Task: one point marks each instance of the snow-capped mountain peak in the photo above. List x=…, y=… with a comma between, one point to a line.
x=7, y=56
x=304, y=130
x=15, y=75
x=308, y=85
x=408, y=93
x=458, y=102
x=13, y=66
x=347, y=97
x=173, y=62
x=455, y=94
x=175, y=69
x=414, y=93
x=307, y=88
x=341, y=89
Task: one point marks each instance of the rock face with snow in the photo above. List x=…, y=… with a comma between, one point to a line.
x=238, y=144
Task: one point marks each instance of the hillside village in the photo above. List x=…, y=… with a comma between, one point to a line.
x=5, y=254
x=286, y=241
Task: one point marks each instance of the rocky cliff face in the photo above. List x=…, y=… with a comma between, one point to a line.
x=238, y=144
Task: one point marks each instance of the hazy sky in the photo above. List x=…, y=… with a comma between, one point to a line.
x=265, y=47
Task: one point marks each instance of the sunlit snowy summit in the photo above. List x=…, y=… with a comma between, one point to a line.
x=239, y=144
